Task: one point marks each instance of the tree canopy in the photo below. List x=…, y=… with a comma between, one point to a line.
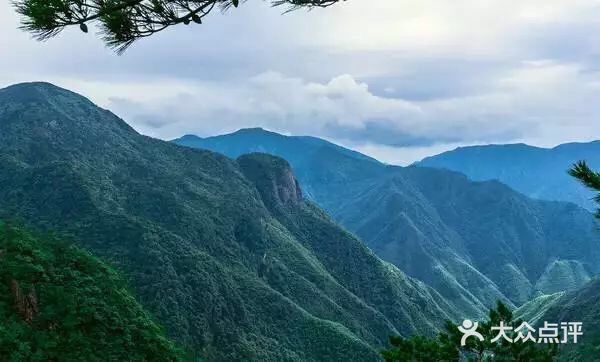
x=124, y=21
x=589, y=178
x=58, y=302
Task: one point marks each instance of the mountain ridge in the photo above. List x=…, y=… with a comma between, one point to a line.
x=419, y=219
x=229, y=273
x=522, y=166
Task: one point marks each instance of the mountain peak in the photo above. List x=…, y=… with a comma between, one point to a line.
x=251, y=130
x=33, y=85
x=41, y=113
x=187, y=138
x=256, y=131
x=39, y=92
x=241, y=132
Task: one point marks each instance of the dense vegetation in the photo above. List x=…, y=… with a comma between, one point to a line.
x=227, y=269
x=447, y=346
x=537, y=172
x=474, y=242
x=577, y=306
x=232, y=257
x=59, y=303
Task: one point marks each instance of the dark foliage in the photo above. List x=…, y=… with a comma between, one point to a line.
x=124, y=21
x=58, y=302
x=589, y=178
x=447, y=346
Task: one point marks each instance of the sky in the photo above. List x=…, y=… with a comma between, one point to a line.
x=396, y=79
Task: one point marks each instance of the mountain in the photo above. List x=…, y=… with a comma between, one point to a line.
x=60, y=303
x=229, y=255
x=537, y=172
x=474, y=242
x=577, y=306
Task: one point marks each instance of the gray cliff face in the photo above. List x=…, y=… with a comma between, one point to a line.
x=288, y=188
x=273, y=178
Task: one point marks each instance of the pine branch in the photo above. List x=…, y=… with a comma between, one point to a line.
x=589, y=178
x=122, y=22
x=583, y=173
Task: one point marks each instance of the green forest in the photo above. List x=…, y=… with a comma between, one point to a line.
x=60, y=303
x=447, y=346
x=299, y=181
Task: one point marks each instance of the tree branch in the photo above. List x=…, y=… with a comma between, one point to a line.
x=122, y=22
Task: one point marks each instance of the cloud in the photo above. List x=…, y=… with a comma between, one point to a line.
x=405, y=156
x=271, y=100
x=540, y=101
x=396, y=79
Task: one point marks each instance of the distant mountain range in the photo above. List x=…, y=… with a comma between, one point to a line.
x=229, y=255
x=537, y=172
x=474, y=242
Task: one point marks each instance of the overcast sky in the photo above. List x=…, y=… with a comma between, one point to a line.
x=397, y=79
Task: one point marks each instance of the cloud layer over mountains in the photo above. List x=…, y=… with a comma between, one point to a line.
x=399, y=81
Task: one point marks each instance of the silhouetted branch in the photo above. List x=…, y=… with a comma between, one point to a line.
x=122, y=22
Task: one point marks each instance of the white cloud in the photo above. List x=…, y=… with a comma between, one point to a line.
x=540, y=102
x=403, y=156
x=396, y=78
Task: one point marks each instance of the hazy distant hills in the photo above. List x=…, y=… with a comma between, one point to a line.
x=537, y=172
x=474, y=242
x=228, y=255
